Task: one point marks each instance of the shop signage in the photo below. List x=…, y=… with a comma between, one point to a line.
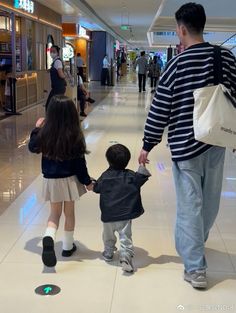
x=83, y=32
x=50, y=43
x=68, y=52
x=26, y=5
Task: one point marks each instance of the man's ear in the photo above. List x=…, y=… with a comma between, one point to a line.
x=184, y=30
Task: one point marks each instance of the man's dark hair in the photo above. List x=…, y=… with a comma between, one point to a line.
x=118, y=156
x=193, y=16
x=142, y=53
x=78, y=54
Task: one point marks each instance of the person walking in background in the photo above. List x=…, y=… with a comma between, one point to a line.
x=142, y=64
x=83, y=96
x=154, y=73
x=80, y=64
x=105, y=77
x=160, y=62
x=197, y=167
x=120, y=202
x=61, y=141
x=118, y=68
x=58, y=82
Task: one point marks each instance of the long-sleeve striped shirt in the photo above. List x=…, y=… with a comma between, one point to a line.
x=173, y=102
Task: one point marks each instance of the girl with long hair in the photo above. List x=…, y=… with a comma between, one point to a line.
x=61, y=141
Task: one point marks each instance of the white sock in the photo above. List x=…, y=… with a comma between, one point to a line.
x=68, y=240
x=51, y=232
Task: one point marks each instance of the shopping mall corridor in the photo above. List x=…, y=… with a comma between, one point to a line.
x=88, y=284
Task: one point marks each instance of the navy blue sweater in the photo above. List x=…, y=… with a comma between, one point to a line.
x=60, y=169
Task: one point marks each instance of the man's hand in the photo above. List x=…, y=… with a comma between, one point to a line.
x=40, y=122
x=143, y=157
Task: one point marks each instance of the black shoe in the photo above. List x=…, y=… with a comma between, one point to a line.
x=7, y=110
x=140, y=91
x=48, y=256
x=90, y=100
x=68, y=253
x=153, y=90
x=83, y=114
x=144, y=90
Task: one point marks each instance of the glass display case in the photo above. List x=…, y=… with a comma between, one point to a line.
x=5, y=40
x=30, y=34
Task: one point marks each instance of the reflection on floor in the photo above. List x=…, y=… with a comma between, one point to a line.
x=87, y=283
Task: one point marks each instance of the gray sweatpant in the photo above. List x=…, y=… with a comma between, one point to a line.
x=125, y=235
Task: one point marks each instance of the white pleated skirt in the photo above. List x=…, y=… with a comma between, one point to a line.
x=62, y=189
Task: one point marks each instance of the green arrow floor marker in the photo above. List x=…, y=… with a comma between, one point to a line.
x=47, y=290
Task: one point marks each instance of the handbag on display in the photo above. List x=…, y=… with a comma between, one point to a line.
x=214, y=115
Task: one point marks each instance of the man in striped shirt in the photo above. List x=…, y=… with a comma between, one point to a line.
x=197, y=167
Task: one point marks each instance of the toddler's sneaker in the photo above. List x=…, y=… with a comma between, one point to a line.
x=109, y=254
x=68, y=253
x=48, y=256
x=127, y=265
x=197, y=279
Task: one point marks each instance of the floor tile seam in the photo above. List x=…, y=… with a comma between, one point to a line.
x=25, y=228
x=37, y=214
x=113, y=290
x=229, y=254
x=40, y=207
x=152, y=227
x=15, y=242
x=61, y=263
x=97, y=226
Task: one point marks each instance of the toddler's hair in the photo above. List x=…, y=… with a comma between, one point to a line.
x=118, y=156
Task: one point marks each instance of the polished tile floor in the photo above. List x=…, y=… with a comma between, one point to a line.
x=88, y=284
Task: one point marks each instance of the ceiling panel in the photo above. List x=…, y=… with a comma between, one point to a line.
x=60, y=6
x=137, y=14
x=142, y=16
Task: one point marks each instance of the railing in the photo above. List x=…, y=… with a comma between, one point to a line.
x=230, y=41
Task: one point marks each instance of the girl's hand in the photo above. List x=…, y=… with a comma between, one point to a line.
x=40, y=122
x=90, y=187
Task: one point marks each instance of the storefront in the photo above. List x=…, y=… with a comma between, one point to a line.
x=27, y=30
x=78, y=38
x=102, y=44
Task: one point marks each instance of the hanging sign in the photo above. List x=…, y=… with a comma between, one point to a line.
x=83, y=32
x=68, y=52
x=26, y=5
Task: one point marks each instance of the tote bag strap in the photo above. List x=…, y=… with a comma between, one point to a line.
x=218, y=67
x=218, y=73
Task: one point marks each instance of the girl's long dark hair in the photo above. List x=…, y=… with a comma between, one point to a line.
x=61, y=137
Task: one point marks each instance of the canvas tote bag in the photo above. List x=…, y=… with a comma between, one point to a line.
x=214, y=116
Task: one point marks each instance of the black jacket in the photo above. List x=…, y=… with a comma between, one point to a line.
x=60, y=169
x=120, y=197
